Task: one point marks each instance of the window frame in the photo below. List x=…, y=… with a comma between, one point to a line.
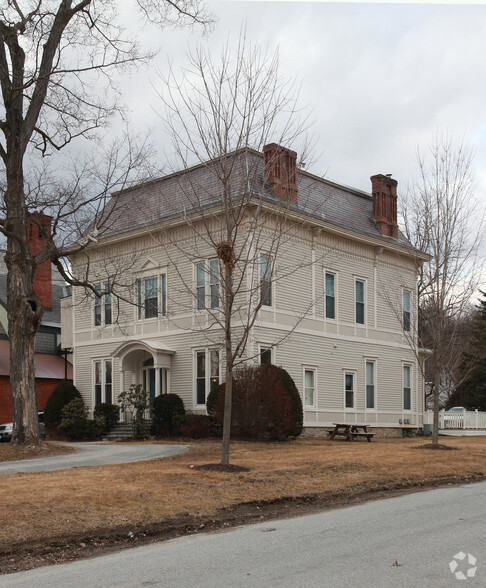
x=144, y=308
x=267, y=294
x=329, y=296
x=207, y=289
x=209, y=378
x=313, y=370
x=103, y=305
x=101, y=380
x=406, y=314
x=262, y=350
x=372, y=362
x=351, y=373
x=407, y=366
x=356, y=301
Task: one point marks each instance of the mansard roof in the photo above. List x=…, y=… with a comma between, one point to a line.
x=199, y=187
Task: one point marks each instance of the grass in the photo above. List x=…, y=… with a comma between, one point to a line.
x=93, y=501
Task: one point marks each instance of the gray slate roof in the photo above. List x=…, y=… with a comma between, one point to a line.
x=198, y=187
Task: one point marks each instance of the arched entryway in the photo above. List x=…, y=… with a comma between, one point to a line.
x=147, y=363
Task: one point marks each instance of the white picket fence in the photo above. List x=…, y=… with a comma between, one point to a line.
x=465, y=419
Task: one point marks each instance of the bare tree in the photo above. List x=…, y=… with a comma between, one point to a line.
x=54, y=56
x=242, y=208
x=442, y=217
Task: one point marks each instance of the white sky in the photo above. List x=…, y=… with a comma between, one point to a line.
x=381, y=79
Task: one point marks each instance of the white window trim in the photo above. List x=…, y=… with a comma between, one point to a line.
x=103, y=361
x=207, y=358
x=271, y=348
x=409, y=365
x=374, y=361
x=365, y=301
x=102, y=302
x=272, y=281
x=409, y=312
x=353, y=373
x=309, y=368
x=161, y=312
x=207, y=285
x=335, y=274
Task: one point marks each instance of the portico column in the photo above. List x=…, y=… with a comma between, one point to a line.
x=157, y=380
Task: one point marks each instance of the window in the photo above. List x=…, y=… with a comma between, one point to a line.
x=265, y=355
x=370, y=384
x=207, y=280
x=349, y=390
x=103, y=305
x=407, y=389
x=330, y=296
x=406, y=310
x=360, y=301
x=103, y=381
x=266, y=268
x=309, y=387
x=207, y=373
x=152, y=296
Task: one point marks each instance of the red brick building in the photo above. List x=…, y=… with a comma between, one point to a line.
x=50, y=365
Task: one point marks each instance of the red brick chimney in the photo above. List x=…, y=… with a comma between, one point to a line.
x=281, y=171
x=42, y=274
x=384, y=193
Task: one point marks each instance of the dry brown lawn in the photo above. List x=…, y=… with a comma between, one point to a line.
x=93, y=501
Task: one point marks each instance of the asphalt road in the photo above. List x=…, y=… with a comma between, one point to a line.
x=405, y=541
x=92, y=454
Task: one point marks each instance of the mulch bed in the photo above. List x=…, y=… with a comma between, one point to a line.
x=437, y=446
x=221, y=467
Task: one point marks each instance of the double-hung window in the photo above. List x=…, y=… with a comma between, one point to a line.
x=330, y=295
x=207, y=373
x=407, y=387
x=309, y=387
x=360, y=301
x=406, y=310
x=207, y=284
x=370, y=385
x=349, y=389
x=103, y=381
x=266, y=269
x=103, y=305
x=265, y=355
x=152, y=296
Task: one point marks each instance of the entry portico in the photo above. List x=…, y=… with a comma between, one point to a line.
x=146, y=362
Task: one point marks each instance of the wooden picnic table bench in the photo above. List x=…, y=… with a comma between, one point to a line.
x=350, y=431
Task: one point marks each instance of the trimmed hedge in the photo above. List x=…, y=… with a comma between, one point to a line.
x=165, y=409
x=106, y=415
x=62, y=394
x=265, y=404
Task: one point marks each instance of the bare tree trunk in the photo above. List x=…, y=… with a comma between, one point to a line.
x=24, y=311
x=435, y=432
x=228, y=399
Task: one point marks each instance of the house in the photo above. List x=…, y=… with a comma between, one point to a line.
x=50, y=367
x=337, y=291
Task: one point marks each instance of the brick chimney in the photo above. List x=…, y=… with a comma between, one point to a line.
x=384, y=193
x=42, y=274
x=281, y=171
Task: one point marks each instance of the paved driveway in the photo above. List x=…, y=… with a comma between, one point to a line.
x=93, y=454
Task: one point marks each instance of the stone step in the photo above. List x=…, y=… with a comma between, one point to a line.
x=124, y=430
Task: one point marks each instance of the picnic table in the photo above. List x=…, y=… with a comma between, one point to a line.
x=350, y=431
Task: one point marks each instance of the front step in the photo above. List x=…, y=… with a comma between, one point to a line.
x=125, y=431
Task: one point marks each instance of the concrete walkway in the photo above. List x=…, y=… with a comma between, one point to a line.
x=93, y=454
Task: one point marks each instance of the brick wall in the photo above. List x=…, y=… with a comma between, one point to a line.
x=43, y=388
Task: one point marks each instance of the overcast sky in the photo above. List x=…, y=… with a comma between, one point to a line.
x=381, y=79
